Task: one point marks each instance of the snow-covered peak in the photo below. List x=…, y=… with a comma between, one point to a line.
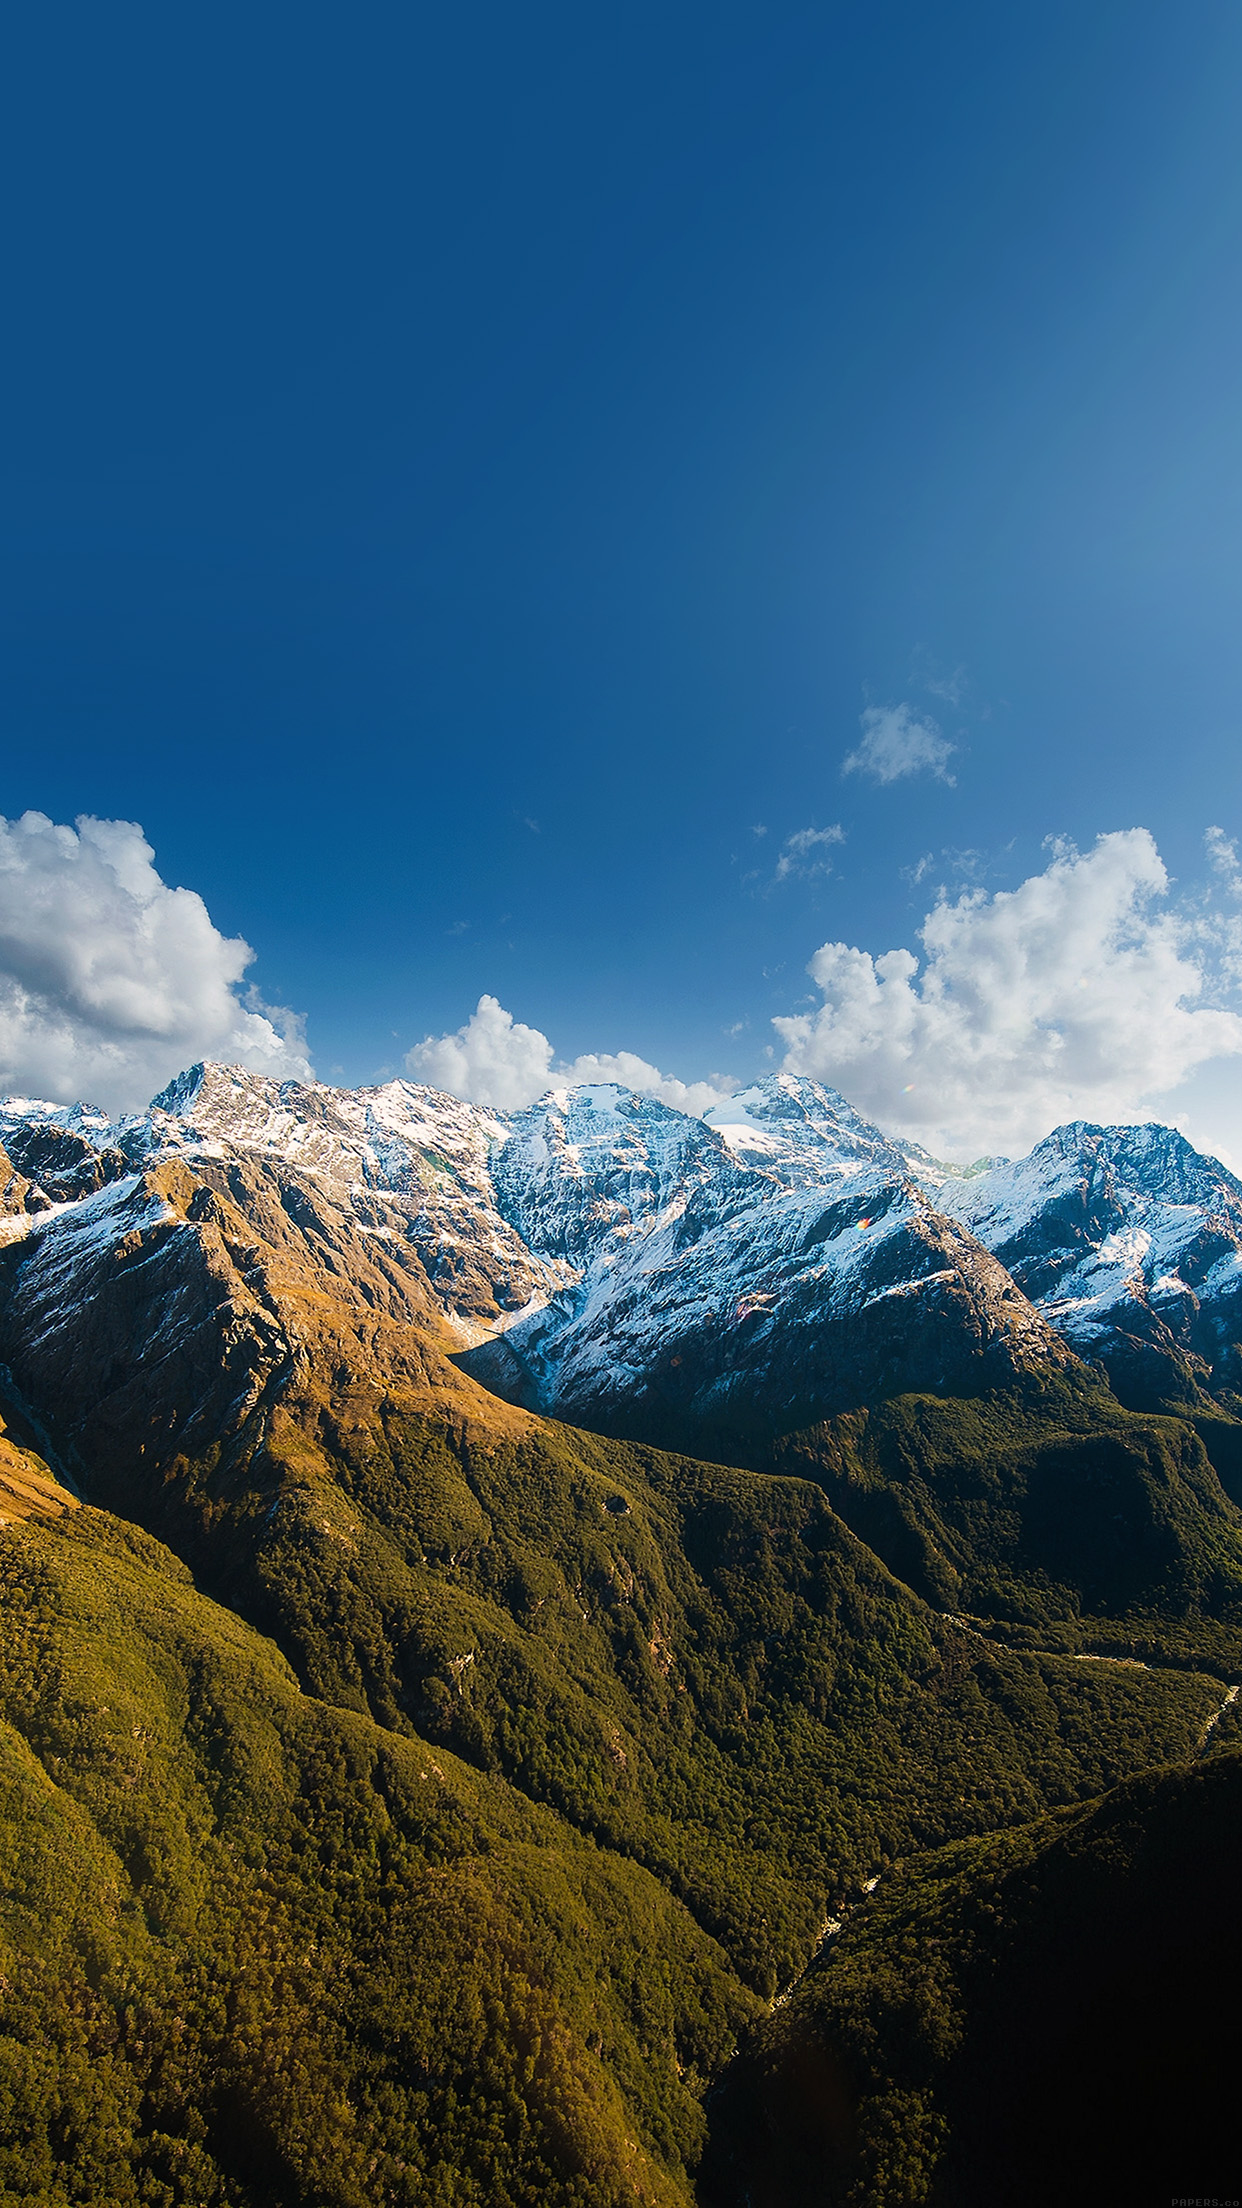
x=578, y=1206
x=1093, y=1181
x=1131, y=1242
x=804, y=1133
x=595, y=1165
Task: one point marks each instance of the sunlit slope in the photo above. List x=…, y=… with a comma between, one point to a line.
x=559, y=1750
x=1044, y=2016
x=256, y=1950
x=27, y=1488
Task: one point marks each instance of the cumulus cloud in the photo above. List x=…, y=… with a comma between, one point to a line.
x=495, y=1060
x=806, y=852
x=110, y=981
x=1079, y=995
x=896, y=743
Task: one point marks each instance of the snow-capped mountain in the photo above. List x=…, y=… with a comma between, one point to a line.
x=1130, y=1242
x=407, y=1164
x=719, y=1298
x=805, y=1134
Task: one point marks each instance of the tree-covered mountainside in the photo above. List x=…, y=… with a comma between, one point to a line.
x=1054, y=1515
x=255, y=1949
x=1043, y=2016
x=701, y=1667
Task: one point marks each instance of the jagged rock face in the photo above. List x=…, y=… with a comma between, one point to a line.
x=60, y=1164
x=590, y=1169
x=408, y=1165
x=204, y=1317
x=624, y=1264
x=1130, y=1242
x=742, y=1278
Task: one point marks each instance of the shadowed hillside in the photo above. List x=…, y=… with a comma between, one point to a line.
x=1046, y=2016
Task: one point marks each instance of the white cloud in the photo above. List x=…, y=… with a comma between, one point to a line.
x=1076, y=996
x=110, y=981
x=1222, y=851
x=805, y=852
x=495, y=1060
x=896, y=743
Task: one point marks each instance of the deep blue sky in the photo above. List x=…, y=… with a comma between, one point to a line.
x=465, y=469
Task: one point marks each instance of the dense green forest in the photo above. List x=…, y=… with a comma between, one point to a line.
x=1062, y=1518
x=701, y=1667
x=1045, y=2015
x=259, y=1950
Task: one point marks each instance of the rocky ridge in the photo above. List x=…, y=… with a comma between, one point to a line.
x=720, y=1299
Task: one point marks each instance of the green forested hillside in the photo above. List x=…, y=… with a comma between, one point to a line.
x=702, y=1668
x=262, y=1948
x=1068, y=1520
x=1043, y=2016
x=424, y=1821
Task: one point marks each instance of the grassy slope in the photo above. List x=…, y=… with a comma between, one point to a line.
x=689, y=1705
x=285, y=1952
x=1042, y=2016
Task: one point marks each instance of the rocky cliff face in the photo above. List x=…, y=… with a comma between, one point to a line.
x=176, y=1343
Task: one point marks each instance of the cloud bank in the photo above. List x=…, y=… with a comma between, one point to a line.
x=1076, y=996
x=110, y=981
x=495, y=1060
x=896, y=743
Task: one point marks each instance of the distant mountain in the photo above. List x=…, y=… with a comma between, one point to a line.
x=778, y=1261
x=778, y=1290
x=804, y=1133
x=737, y=1282
x=409, y=1165
x=1130, y=1243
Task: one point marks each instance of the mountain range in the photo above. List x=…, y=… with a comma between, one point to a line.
x=622, y=1252
x=706, y=1516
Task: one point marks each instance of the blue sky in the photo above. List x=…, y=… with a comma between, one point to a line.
x=468, y=472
